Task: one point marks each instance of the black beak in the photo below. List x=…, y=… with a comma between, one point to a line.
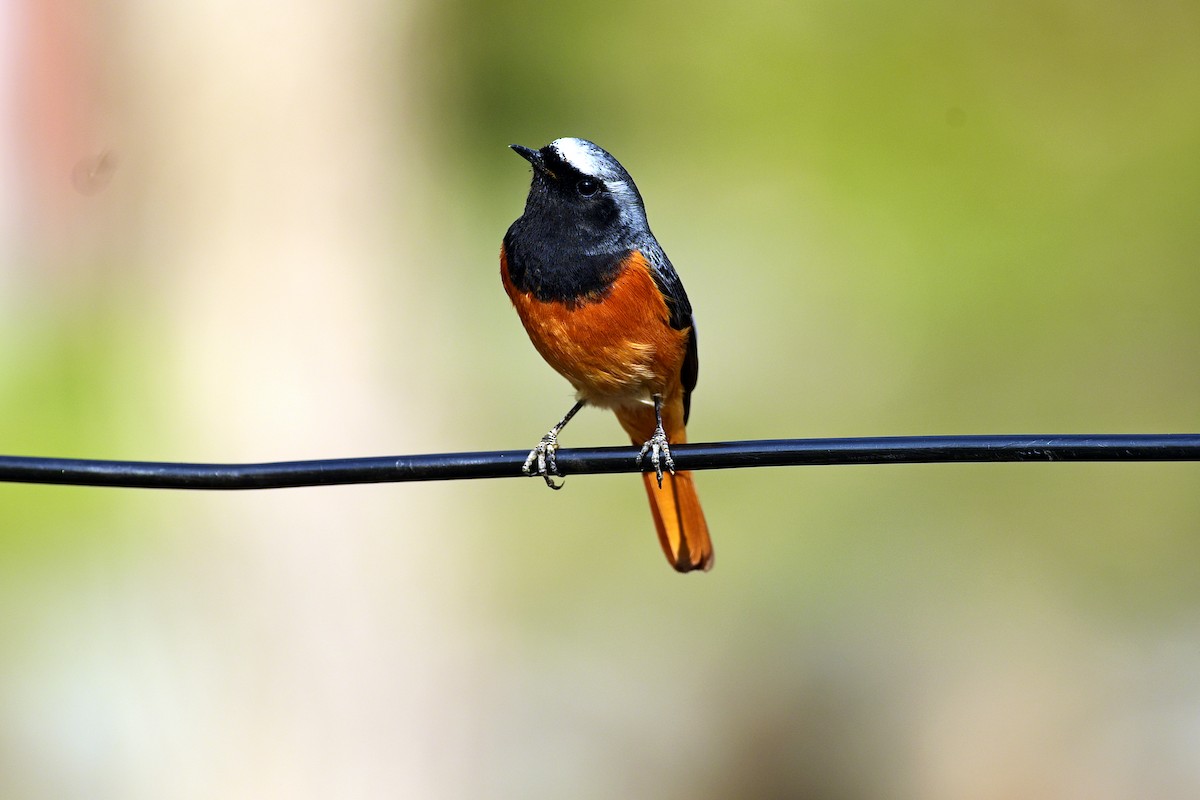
x=530, y=155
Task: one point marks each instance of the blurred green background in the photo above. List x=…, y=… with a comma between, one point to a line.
x=248, y=232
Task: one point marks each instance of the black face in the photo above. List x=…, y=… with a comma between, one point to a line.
x=574, y=202
x=575, y=232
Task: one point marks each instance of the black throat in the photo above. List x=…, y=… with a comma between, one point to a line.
x=556, y=261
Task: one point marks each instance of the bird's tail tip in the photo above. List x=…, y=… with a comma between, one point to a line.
x=679, y=520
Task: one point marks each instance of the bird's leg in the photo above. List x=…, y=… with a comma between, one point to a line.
x=657, y=445
x=541, y=458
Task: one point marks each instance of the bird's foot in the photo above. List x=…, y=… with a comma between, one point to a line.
x=660, y=453
x=541, y=463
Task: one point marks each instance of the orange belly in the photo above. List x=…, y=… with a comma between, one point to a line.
x=616, y=348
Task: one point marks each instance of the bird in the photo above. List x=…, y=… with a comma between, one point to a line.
x=605, y=308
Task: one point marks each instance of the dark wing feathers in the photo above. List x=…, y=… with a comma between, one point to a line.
x=689, y=372
x=667, y=280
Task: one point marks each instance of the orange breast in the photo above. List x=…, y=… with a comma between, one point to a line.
x=615, y=348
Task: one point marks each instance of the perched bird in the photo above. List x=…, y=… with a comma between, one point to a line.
x=603, y=305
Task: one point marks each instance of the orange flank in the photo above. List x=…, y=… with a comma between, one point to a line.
x=611, y=350
x=618, y=349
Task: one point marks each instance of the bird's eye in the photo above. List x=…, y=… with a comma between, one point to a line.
x=587, y=187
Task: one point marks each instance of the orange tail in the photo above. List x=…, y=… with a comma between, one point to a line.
x=682, y=531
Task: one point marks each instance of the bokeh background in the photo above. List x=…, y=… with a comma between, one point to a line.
x=246, y=231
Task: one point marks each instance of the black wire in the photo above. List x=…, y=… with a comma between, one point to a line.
x=507, y=463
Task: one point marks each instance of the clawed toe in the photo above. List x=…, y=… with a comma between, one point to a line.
x=660, y=453
x=541, y=461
